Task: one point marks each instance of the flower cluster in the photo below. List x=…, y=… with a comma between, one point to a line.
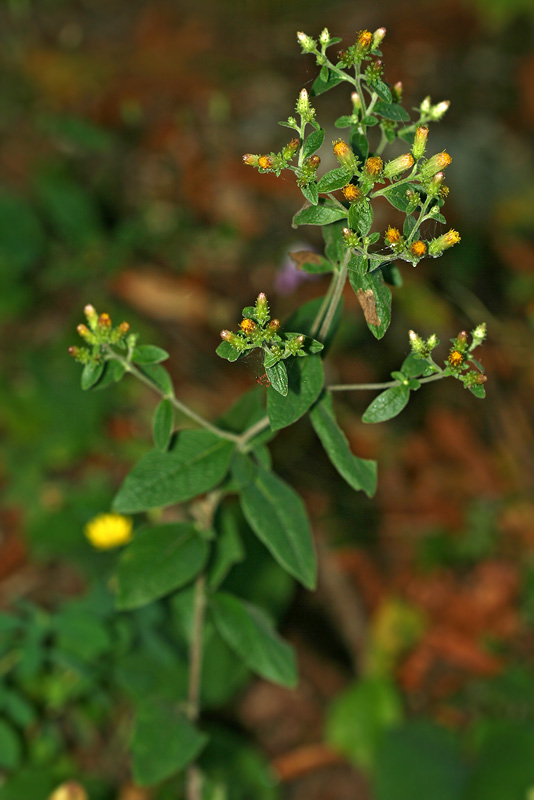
x=460, y=363
x=98, y=334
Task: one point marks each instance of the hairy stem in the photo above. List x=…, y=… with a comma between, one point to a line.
x=188, y=412
x=339, y=284
x=354, y=387
x=193, y=777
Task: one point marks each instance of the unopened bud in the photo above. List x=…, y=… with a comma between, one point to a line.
x=416, y=342
x=300, y=340
x=306, y=42
x=74, y=351
x=124, y=327
x=104, y=321
x=291, y=148
x=314, y=161
x=324, y=38
x=84, y=331
x=443, y=242
x=481, y=378
x=356, y=101
x=251, y=160
x=479, y=334
x=418, y=248
x=425, y=105
x=303, y=102
x=434, y=164
x=438, y=111
x=345, y=155
x=364, y=42
x=69, y=791
x=461, y=339
x=396, y=92
x=393, y=236
x=261, y=301
x=432, y=342
x=378, y=37
x=91, y=314
x=274, y=324
x=419, y=144
x=398, y=165
x=265, y=162
x=351, y=237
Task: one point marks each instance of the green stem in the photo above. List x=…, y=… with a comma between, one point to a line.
x=380, y=192
x=188, y=412
x=322, y=309
x=194, y=777
x=353, y=387
x=338, y=286
x=251, y=432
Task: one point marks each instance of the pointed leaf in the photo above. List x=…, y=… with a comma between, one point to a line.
x=312, y=143
x=387, y=405
x=306, y=378
x=164, y=742
x=318, y=215
x=320, y=85
x=225, y=350
x=277, y=375
x=228, y=548
x=335, y=179
x=149, y=354
x=396, y=195
x=382, y=90
x=196, y=462
x=247, y=630
x=113, y=372
x=278, y=517
x=160, y=559
x=392, y=111
x=91, y=374
x=162, y=425
x=361, y=217
x=360, y=473
x=159, y=376
x=310, y=193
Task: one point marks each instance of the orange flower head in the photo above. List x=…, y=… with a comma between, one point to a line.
x=393, y=235
x=247, y=326
x=314, y=161
x=418, y=248
x=364, y=40
x=374, y=166
x=456, y=358
x=265, y=162
x=352, y=193
x=104, y=320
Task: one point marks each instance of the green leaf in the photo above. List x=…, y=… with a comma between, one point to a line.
x=164, y=742
x=361, y=217
x=22, y=239
x=396, y=195
x=478, y=390
x=310, y=346
x=70, y=208
x=374, y=298
x=370, y=121
x=196, y=462
x=113, y=372
x=225, y=350
x=303, y=318
x=81, y=633
x=277, y=375
x=419, y=760
x=392, y=111
x=359, y=143
x=228, y=548
x=159, y=376
x=91, y=374
x=248, y=631
x=343, y=122
x=412, y=367
x=333, y=180
x=505, y=764
x=17, y=707
x=310, y=193
x=160, y=559
x=381, y=89
x=278, y=517
x=149, y=354
x=409, y=224
x=312, y=143
x=10, y=747
x=318, y=215
x=162, y=424
x=247, y=410
x=360, y=473
x=320, y=85
x=335, y=243
x=359, y=717
x=305, y=379
x=387, y=405
x=390, y=272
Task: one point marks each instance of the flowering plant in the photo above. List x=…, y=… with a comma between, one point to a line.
x=190, y=554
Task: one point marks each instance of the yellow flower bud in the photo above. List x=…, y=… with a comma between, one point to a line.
x=109, y=530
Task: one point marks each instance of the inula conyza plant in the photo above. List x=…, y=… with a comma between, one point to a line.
x=204, y=466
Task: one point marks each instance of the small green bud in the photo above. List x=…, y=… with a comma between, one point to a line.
x=419, y=144
x=435, y=164
x=324, y=38
x=396, y=92
x=479, y=335
x=251, y=160
x=306, y=42
x=351, y=237
x=439, y=110
x=443, y=242
x=290, y=149
x=425, y=106
x=378, y=37
x=398, y=165
x=92, y=316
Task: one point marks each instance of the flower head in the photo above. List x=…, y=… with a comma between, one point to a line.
x=109, y=530
x=373, y=166
x=392, y=235
x=456, y=359
x=352, y=193
x=418, y=248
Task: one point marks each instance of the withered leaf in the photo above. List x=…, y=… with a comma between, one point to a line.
x=368, y=303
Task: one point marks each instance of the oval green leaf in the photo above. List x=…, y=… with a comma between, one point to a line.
x=149, y=354
x=318, y=215
x=360, y=473
x=159, y=560
x=305, y=382
x=335, y=179
x=278, y=517
x=196, y=462
x=277, y=374
x=162, y=424
x=247, y=630
x=91, y=374
x=387, y=405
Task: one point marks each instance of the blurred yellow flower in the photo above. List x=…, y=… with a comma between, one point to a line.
x=109, y=530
